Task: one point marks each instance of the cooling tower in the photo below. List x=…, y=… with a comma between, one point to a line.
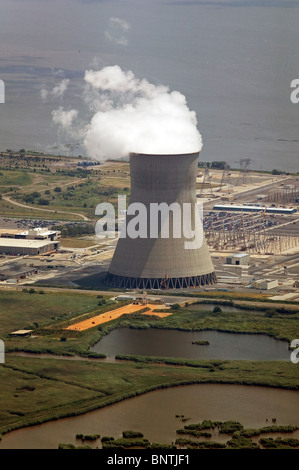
x=162, y=262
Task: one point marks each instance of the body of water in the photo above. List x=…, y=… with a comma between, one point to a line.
x=154, y=414
x=174, y=343
x=233, y=60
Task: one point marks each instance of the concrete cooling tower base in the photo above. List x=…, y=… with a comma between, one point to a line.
x=124, y=282
x=157, y=262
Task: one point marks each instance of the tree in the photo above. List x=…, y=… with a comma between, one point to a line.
x=217, y=309
x=220, y=165
x=33, y=195
x=29, y=199
x=175, y=306
x=43, y=202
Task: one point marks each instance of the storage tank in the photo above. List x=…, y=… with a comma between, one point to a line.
x=162, y=262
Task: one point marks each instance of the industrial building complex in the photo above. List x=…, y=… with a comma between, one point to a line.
x=30, y=242
x=255, y=208
x=250, y=242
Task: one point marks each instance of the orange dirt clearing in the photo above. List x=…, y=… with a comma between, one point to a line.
x=118, y=312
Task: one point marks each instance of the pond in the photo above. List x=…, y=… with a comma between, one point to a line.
x=155, y=415
x=174, y=343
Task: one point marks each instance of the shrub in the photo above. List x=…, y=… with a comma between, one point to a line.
x=87, y=437
x=43, y=202
x=241, y=442
x=132, y=434
x=66, y=446
x=202, y=343
x=91, y=437
x=155, y=445
x=217, y=309
x=229, y=427
x=269, y=442
x=175, y=307
x=125, y=443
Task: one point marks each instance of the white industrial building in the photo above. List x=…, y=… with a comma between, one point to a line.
x=265, y=284
x=238, y=259
x=29, y=242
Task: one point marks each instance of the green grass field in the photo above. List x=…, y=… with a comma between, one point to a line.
x=11, y=210
x=59, y=192
x=77, y=242
x=20, y=310
x=48, y=313
x=14, y=178
x=281, y=326
x=34, y=390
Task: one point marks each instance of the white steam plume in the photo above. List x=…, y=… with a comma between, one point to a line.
x=137, y=116
x=64, y=118
x=117, y=31
x=133, y=115
x=57, y=91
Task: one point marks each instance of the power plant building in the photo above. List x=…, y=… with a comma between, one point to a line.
x=148, y=262
x=29, y=242
x=238, y=259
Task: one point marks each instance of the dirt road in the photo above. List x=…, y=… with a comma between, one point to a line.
x=113, y=314
x=8, y=199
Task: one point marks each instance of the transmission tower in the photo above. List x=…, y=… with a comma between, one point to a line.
x=226, y=177
x=206, y=184
x=244, y=177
